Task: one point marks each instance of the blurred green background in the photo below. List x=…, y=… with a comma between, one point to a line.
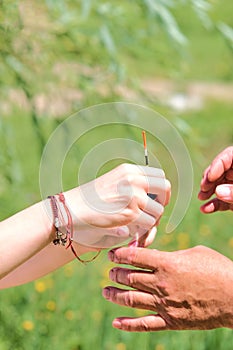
x=59, y=57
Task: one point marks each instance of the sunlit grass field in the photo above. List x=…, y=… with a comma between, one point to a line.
x=65, y=310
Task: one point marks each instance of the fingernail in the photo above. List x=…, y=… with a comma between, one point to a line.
x=112, y=274
x=207, y=208
x=111, y=255
x=224, y=192
x=106, y=293
x=116, y=324
x=133, y=243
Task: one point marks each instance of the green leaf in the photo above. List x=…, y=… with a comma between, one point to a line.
x=227, y=32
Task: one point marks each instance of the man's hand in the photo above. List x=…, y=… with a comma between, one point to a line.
x=189, y=289
x=218, y=179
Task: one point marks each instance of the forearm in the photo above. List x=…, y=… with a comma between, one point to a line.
x=23, y=235
x=47, y=260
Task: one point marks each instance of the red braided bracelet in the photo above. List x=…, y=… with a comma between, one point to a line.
x=62, y=238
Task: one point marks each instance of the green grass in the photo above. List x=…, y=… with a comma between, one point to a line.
x=65, y=310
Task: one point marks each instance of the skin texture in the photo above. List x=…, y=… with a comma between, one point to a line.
x=190, y=289
x=115, y=206
x=187, y=289
x=218, y=181
x=117, y=198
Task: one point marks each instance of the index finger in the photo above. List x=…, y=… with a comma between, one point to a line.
x=138, y=257
x=151, y=171
x=220, y=164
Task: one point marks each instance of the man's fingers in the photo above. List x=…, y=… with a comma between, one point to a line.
x=138, y=257
x=141, y=280
x=131, y=298
x=150, y=323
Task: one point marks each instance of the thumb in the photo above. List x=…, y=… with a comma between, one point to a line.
x=225, y=193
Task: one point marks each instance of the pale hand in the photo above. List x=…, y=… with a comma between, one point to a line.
x=115, y=206
x=189, y=289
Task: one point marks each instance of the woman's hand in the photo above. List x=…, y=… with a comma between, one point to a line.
x=115, y=206
x=188, y=289
x=218, y=179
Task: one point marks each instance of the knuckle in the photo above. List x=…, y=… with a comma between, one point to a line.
x=229, y=149
x=143, y=325
x=131, y=279
x=199, y=248
x=160, y=210
x=128, y=215
x=160, y=172
x=129, y=299
x=133, y=255
x=167, y=185
x=125, y=168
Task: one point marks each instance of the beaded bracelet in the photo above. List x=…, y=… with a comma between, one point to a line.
x=59, y=221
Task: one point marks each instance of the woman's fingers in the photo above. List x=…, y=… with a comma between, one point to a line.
x=150, y=323
x=147, y=170
x=162, y=189
x=147, y=239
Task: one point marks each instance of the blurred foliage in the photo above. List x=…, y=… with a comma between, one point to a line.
x=47, y=47
x=59, y=56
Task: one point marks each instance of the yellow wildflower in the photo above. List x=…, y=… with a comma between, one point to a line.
x=28, y=325
x=69, y=270
x=97, y=315
x=205, y=230
x=51, y=305
x=40, y=286
x=166, y=239
x=69, y=315
x=160, y=347
x=120, y=346
x=183, y=240
x=230, y=242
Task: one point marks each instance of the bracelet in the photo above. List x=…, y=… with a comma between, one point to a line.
x=59, y=220
x=61, y=238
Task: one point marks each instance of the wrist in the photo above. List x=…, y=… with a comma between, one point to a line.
x=47, y=220
x=64, y=227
